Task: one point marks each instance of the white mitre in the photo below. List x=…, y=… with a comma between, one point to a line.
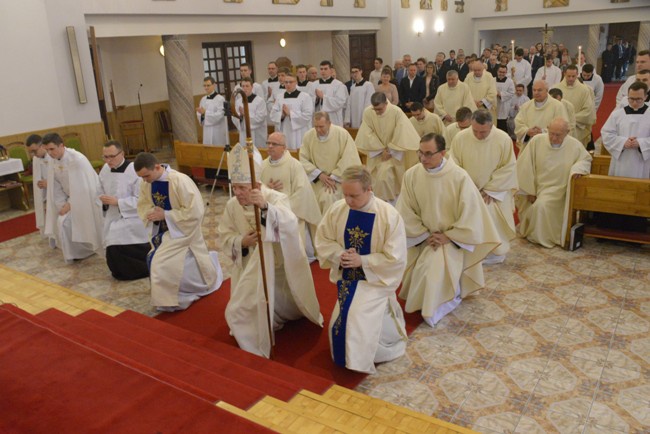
x=238, y=165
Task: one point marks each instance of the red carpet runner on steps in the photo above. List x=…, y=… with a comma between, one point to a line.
x=299, y=344
x=63, y=374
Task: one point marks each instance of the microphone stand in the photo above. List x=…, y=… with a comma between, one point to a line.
x=144, y=130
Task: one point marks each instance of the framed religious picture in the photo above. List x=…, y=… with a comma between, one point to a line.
x=460, y=6
x=501, y=6
x=327, y=3
x=426, y=4
x=285, y=2
x=443, y=5
x=359, y=3
x=555, y=3
x=233, y=1
x=405, y=4
x=620, y=1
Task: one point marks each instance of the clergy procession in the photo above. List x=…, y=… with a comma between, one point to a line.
x=409, y=196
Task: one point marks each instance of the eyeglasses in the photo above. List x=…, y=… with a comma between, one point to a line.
x=428, y=154
x=110, y=157
x=273, y=144
x=636, y=99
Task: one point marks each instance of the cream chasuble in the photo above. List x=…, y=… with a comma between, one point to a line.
x=582, y=98
x=430, y=124
x=290, y=284
x=449, y=99
x=530, y=115
x=331, y=155
x=448, y=202
x=491, y=165
x=544, y=171
x=169, y=260
x=484, y=90
x=374, y=328
x=393, y=132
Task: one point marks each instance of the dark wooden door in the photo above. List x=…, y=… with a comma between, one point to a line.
x=221, y=60
x=363, y=50
x=626, y=31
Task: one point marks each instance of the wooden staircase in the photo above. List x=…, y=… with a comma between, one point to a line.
x=132, y=338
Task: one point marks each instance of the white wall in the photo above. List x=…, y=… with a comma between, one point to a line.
x=457, y=33
x=129, y=61
x=570, y=36
x=37, y=79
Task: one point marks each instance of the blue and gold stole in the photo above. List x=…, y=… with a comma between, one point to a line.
x=358, y=234
x=160, y=198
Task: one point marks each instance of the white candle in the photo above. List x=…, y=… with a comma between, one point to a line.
x=512, y=43
x=579, y=58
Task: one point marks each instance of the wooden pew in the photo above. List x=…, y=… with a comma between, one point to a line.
x=609, y=194
x=600, y=164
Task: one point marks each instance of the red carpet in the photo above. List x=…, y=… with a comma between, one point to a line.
x=607, y=105
x=299, y=344
x=17, y=227
x=52, y=381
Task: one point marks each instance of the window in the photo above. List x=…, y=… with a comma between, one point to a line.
x=221, y=60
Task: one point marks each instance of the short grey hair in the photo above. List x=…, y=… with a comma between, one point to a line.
x=358, y=174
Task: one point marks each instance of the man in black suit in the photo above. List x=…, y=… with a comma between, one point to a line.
x=441, y=70
x=619, y=58
x=451, y=61
x=412, y=89
x=462, y=67
x=607, y=69
x=536, y=61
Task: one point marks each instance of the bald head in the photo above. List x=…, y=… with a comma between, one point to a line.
x=478, y=68
x=540, y=91
x=558, y=129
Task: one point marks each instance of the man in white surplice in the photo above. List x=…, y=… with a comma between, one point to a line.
x=211, y=114
x=292, y=112
x=125, y=236
x=40, y=165
x=626, y=135
x=289, y=281
x=361, y=240
x=360, y=93
x=256, y=112
x=72, y=215
x=331, y=94
x=180, y=266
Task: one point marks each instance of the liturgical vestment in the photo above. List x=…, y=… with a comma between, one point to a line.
x=534, y=114
x=544, y=171
x=332, y=155
x=392, y=132
x=443, y=200
x=491, y=165
x=181, y=268
x=367, y=324
x=290, y=284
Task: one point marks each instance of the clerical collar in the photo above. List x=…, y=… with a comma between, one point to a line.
x=293, y=94
x=276, y=162
x=165, y=174
x=282, y=86
x=367, y=206
x=501, y=80
x=477, y=79
x=328, y=81
x=303, y=83
x=587, y=79
x=361, y=83
x=630, y=111
x=122, y=167
x=323, y=138
x=251, y=97
x=439, y=168
x=272, y=80
x=540, y=104
x=213, y=95
x=555, y=146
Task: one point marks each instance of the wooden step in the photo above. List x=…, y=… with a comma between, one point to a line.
x=326, y=409
x=393, y=415
x=35, y=295
x=294, y=419
x=249, y=416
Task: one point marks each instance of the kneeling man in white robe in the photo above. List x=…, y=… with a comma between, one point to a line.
x=361, y=240
x=291, y=292
x=125, y=236
x=181, y=268
x=72, y=215
x=544, y=169
x=449, y=232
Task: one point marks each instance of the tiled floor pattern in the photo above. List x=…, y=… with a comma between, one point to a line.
x=557, y=341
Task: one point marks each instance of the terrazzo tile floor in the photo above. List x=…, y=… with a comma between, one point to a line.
x=557, y=341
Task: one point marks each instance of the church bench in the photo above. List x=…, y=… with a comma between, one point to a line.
x=609, y=194
x=600, y=164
